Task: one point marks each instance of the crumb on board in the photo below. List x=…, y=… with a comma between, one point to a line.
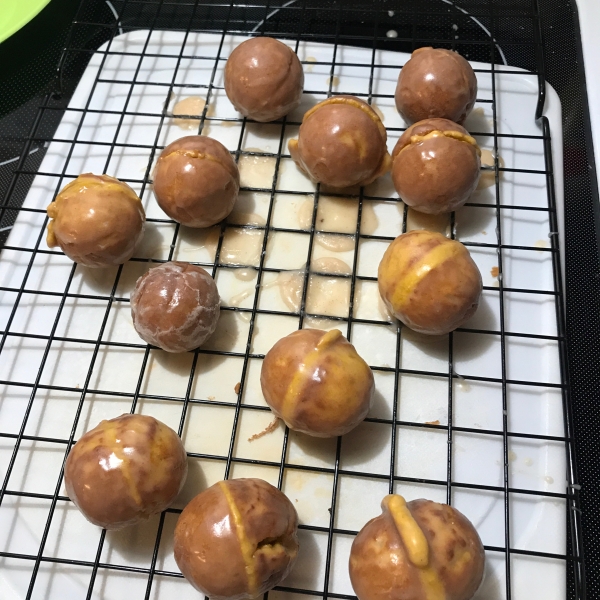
x=495, y=271
x=211, y=397
x=436, y=422
x=272, y=426
x=237, y=387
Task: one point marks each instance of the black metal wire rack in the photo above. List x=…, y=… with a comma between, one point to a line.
x=491, y=32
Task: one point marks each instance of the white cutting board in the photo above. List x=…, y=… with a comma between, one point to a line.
x=537, y=524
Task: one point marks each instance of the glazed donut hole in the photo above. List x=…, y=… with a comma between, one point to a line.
x=429, y=282
x=316, y=382
x=418, y=550
x=237, y=539
x=264, y=79
x=341, y=143
x=96, y=220
x=436, y=83
x=436, y=166
x=125, y=470
x=196, y=181
x=175, y=306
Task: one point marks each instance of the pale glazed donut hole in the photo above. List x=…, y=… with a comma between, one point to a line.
x=341, y=143
x=237, y=539
x=436, y=166
x=125, y=470
x=97, y=221
x=317, y=383
x=175, y=306
x=419, y=550
x=196, y=181
x=436, y=83
x=264, y=79
x=429, y=282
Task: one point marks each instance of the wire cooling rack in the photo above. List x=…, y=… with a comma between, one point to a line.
x=492, y=33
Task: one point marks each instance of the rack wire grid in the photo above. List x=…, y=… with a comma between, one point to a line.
x=481, y=30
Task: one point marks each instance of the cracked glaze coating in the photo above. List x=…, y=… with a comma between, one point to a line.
x=418, y=550
x=264, y=79
x=317, y=383
x=341, y=143
x=429, y=282
x=436, y=83
x=125, y=470
x=175, y=306
x=97, y=221
x=237, y=539
x=196, y=181
x=436, y=166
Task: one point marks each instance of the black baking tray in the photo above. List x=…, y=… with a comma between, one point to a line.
x=43, y=63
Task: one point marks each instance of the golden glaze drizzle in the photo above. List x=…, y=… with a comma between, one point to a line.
x=108, y=438
x=198, y=154
x=416, y=546
x=457, y=135
x=413, y=538
x=432, y=586
x=352, y=102
x=305, y=371
x=436, y=257
x=82, y=184
x=245, y=546
x=88, y=181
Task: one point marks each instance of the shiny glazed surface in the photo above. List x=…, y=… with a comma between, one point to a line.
x=342, y=142
x=436, y=166
x=125, y=470
x=436, y=83
x=429, y=282
x=237, y=539
x=97, y=221
x=264, y=79
x=418, y=550
x=196, y=181
x=175, y=306
x=317, y=383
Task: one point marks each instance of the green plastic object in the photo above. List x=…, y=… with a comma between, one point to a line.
x=15, y=14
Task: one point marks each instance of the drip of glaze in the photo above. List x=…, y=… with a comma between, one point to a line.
x=334, y=266
x=245, y=274
x=236, y=300
x=335, y=243
x=242, y=218
x=328, y=296
x=488, y=177
x=256, y=171
x=325, y=296
x=338, y=215
x=190, y=106
x=242, y=247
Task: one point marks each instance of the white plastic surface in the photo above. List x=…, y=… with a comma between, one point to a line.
x=536, y=523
